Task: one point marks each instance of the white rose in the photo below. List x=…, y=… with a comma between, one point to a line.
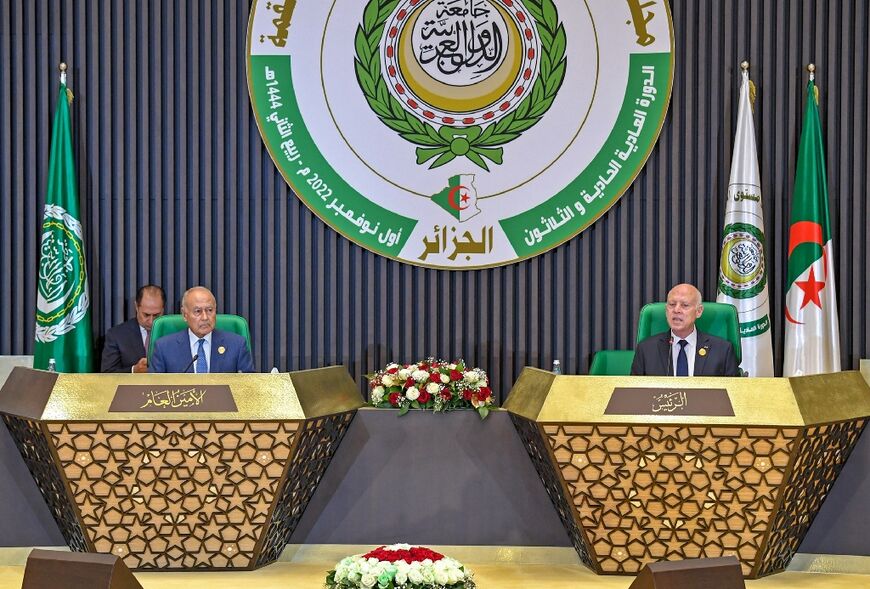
x=392, y=365
x=453, y=577
x=451, y=366
x=401, y=577
x=441, y=578
x=414, y=576
x=428, y=575
x=432, y=388
x=445, y=378
x=369, y=580
x=470, y=376
x=404, y=373
x=412, y=394
x=420, y=375
x=388, y=380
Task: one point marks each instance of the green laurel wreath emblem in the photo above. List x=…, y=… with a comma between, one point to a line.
x=744, y=293
x=447, y=143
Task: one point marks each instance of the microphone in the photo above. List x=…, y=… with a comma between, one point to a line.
x=194, y=359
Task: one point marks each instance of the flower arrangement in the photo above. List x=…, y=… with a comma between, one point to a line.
x=431, y=384
x=399, y=566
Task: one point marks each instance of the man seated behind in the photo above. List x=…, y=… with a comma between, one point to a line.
x=126, y=344
x=200, y=348
x=684, y=351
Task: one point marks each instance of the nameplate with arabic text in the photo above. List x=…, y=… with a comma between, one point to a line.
x=173, y=399
x=669, y=402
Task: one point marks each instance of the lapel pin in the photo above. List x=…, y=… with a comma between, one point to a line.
x=221, y=350
x=701, y=352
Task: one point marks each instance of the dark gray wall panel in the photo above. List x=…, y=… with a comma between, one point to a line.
x=177, y=188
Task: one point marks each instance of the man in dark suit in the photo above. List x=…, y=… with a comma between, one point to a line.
x=684, y=351
x=126, y=344
x=201, y=348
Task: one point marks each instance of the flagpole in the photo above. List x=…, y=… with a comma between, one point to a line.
x=62, y=68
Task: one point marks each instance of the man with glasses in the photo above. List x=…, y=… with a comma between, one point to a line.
x=201, y=348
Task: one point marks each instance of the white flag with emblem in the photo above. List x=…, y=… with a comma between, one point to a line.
x=742, y=265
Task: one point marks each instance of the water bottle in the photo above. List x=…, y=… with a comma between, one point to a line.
x=52, y=365
x=557, y=367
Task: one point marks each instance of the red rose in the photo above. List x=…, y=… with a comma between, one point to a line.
x=392, y=371
x=435, y=377
x=446, y=394
x=467, y=394
x=424, y=366
x=455, y=375
x=409, y=382
x=424, y=397
x=394, y=399
x=484, y=393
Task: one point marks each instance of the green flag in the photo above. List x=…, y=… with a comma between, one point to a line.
x=812, y=333
x=63, y=318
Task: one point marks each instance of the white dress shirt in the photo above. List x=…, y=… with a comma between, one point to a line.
x=206, y=347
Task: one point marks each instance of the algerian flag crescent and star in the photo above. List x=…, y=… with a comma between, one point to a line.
x=812, y=333
x=459, y=198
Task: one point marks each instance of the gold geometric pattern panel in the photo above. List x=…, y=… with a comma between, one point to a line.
x=174, y=494
x=648, y=493
x=822, y=452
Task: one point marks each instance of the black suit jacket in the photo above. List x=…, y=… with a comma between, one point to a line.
x=123, y=347
x=651, y=358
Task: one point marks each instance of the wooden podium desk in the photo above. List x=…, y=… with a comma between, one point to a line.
x=643, y=469
x=179, y=471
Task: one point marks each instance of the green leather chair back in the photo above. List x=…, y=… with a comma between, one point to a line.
x=166, y=324
x=719, y=319
x=612, y=363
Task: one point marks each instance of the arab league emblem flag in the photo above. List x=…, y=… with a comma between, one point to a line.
x=63, y=319
x=743, y=267
x=812, y=333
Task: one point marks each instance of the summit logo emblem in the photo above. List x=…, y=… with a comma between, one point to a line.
x=460, y=134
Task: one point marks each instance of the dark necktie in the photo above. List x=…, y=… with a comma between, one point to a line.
x=147, y=341
x=682, y=359
x=201, y=364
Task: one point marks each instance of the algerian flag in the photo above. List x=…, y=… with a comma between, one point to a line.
x=63, y=319
x=742, y=267
x=812, y=333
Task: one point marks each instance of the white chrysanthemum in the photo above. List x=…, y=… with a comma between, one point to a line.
x=377, y=395
x=412, y=394
x=420, y=375
x=470, y=376
x=404, y=373
x=432, y=388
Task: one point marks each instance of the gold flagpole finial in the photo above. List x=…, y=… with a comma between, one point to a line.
x=744, y=65
x=811, y=68
x=62, y=67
